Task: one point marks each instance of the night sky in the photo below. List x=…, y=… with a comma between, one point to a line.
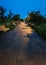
x=22, y=7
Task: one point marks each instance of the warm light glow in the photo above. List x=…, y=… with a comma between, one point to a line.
x=3, y=28
x=24, y=31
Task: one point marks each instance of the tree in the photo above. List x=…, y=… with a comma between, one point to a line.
x=35, y=17
x=10, y=15
x=2, y=12
x=21, y=19
x=16, y=17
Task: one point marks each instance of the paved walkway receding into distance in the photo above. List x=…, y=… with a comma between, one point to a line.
x=22, y=46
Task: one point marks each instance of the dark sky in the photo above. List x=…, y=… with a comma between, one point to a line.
x=22, y=7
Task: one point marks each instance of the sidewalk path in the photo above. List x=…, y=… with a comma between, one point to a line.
x=22, y=46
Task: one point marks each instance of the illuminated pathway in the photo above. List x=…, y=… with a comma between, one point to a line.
x=22, y=46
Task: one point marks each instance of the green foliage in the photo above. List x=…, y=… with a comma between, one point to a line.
x=10, y=15
x=10, y=25
x=37, y=22
x=7, y=20
x=35, y=17
x=2, y=11
x=40, y=29
x=16, y=17
x=21, y=19
x=1, y=22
